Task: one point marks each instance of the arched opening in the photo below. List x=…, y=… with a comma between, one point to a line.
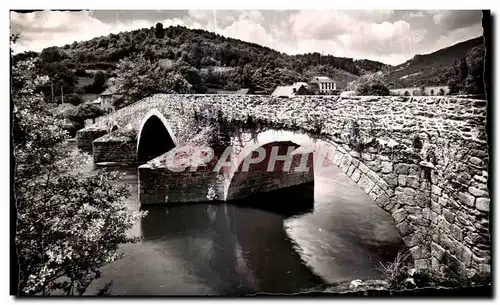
x=265, y=179
x=342, y=217
x=154, y=139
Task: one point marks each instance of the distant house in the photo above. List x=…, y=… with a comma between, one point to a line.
x=325, y=84
x=243, y=91
x=106, y=98
x=297, y=84
x=289, y=91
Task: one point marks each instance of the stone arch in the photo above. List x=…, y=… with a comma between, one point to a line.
x=371, y=183
x=237, y=179
x=155, y=136
x=406, y=198
x=386, y=196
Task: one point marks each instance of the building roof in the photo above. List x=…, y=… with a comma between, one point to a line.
x=110, y=91
x=286, y=90
x=240, y=91
x=323, y=79
x=297, y=84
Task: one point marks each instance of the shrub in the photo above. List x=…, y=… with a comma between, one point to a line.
x=371, y=84
x=81, y=72
x=83, y=112
x=396, y=273
x=73, y=99
x=69, y=225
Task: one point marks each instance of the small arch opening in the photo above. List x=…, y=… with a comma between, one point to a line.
x=154, y=140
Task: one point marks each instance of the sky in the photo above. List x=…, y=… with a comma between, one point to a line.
x=388, y=36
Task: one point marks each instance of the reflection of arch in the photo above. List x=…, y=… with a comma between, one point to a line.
x=232, y=243
x=155, y=136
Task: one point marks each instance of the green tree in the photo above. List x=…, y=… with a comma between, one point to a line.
x=83, y=112
x=139, y=78
x=159, y=31
x=422, y=90
x=69, y=224
x=73, y=99
x=196, y=55
x=52, y=54
x=99, y=81
x=474, y=83
x=459, y=74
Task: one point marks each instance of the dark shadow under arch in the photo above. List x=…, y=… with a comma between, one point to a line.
x=245, y=188
x=154, y=140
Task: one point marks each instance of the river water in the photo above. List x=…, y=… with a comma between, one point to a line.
x=229, y=249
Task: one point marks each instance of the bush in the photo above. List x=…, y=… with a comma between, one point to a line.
x=69, y=224
x=73, y=99
x=80, y=72
x=84, y=112
x=371, y=84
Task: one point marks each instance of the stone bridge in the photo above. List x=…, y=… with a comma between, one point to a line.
x=424, y=160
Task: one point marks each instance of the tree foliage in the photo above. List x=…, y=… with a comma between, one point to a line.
x=159, y=32
x=73, y=99
x=468, y=73
x=371, y=84
x=238, y=64
x=139, y=78
x=69, y=223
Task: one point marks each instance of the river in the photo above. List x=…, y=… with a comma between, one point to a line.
x=228, y=249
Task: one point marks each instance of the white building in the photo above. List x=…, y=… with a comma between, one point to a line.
x=105, y=99
x=289, y=91
x=325, y=84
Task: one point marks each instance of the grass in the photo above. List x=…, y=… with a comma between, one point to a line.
x=398, y=271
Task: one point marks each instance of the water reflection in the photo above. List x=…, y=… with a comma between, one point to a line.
x=285, y=242
x=247, y=248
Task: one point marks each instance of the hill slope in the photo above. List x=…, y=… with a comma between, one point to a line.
x=430, y=69
x=248, y=64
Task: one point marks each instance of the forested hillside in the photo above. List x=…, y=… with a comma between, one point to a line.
x=433, y=69
x=204, y=61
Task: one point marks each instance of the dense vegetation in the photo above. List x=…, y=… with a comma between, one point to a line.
x=207, y=61
x=370, y=84
x=69, y=223
x=178, y=59
x=432, y=69
x=468, y=73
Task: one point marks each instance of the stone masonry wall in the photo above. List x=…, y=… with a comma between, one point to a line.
x=161, y=185
x=114, y=151
x=85, y=137
x=433, y=182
